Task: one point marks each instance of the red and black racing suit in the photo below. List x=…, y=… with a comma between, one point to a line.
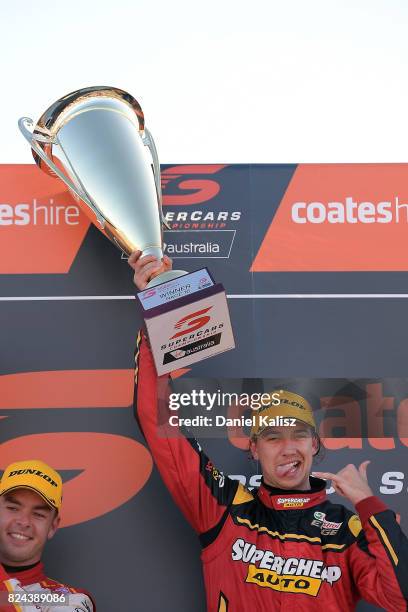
x=274, y=549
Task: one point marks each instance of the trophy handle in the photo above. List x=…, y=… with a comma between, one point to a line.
x=148, y=141
x=33, y=140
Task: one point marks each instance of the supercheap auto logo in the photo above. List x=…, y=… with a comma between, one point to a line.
x=290, y=575
x=293, y=502
x=339, y=218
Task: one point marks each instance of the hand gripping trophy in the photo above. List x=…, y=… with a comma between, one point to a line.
x=94, y=139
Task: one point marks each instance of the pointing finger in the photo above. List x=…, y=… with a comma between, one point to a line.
x=325, y=475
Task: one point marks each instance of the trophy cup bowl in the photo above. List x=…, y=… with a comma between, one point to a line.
x=94, y=139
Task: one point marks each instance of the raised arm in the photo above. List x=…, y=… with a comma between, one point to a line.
x=379, y=558
x=199, y=489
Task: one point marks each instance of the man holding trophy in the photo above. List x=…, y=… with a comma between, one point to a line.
x=265, y=551
x=286, y=545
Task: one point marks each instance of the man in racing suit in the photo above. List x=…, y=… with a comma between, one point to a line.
x=30, y=503
x=285, y=546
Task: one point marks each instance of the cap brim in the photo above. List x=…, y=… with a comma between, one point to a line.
x=261, y=431
x=48, y=502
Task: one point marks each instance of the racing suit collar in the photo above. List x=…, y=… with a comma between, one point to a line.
x=27, y=575
x=284, y=499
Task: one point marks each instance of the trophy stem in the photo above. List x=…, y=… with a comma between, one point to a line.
x=165, y=277
x=156, y=251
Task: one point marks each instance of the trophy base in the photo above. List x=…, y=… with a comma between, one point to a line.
x=165, y=277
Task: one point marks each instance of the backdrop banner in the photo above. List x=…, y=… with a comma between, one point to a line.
x=314, y=262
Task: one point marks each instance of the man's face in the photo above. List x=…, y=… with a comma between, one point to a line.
x=286, y=454
x=26, y=523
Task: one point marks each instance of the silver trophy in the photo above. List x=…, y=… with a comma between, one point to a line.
x=95, y=140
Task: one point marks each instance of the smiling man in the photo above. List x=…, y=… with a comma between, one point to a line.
x=30, y=504
x=285, y=546
x=285, y=453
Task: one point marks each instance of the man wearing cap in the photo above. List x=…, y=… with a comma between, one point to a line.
x=285, y=546
x=30, y=504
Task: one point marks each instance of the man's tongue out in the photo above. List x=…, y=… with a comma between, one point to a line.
x=287, y=469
